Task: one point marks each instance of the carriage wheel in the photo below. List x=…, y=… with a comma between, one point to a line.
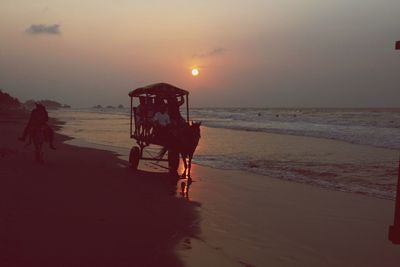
x=134, y=157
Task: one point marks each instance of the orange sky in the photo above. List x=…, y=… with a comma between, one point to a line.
x=250, y=53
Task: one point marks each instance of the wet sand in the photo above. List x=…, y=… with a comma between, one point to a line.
x=98, y=214
x=253, y=220
x=84, y=207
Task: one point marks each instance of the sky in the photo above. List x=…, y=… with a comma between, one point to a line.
x=250, y=53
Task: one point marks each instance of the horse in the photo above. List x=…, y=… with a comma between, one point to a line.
x=37, y=136
x=184, y=141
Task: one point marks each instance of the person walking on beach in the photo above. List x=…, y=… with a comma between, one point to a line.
x=39, y=118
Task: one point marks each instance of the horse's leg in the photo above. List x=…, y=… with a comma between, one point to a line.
x=184, y=164
x=189, y=167
x=41, y=152
x=29, y=141
x=38, y=140
x=36, y=146
x=37, y=156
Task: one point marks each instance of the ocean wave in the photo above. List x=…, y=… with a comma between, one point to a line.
x=364, y=172
x=351, y=178
x=379, y=128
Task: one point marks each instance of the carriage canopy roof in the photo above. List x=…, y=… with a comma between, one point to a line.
x=159, y=89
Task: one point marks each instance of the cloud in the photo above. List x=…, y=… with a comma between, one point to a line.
x=44, y=29
x=215, y=52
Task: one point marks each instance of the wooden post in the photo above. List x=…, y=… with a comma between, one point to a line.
x=131, y=117
x=394, y=230
x=187, y=108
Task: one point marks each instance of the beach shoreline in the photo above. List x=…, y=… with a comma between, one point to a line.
x=323, y=162
x=281, y=223
x=231, y=218
x=84, y=207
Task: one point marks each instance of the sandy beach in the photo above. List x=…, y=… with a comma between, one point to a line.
x=288, y=113
x=279, y=223
x=84, y=207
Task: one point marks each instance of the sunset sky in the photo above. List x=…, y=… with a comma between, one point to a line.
x=261, y=53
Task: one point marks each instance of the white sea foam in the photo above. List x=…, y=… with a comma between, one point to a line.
x=253, y=151
x=376, y=127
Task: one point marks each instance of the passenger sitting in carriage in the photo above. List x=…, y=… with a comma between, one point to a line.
x=150, y=110
x=173, y=108
x=144, y=116
x=162, y=122
x=140, y=115
x=159, y=103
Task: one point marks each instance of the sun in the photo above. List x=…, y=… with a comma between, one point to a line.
x=195, y=71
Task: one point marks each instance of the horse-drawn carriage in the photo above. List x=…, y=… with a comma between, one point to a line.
x=179, y=137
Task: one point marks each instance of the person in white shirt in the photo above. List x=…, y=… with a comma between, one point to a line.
x=161, y=118
x=161, y=122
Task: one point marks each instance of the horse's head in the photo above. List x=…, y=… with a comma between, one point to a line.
x=195, y=129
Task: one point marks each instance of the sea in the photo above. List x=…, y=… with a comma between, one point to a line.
x=349, y=150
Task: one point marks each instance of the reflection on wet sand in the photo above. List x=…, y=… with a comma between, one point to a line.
x=186, y=181
x=185, y=186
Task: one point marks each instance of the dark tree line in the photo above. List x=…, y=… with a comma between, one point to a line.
x=7, y=101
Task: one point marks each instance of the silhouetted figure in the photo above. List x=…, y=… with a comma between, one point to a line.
x=394, y=230
x=158, y=104
x=151, y=109
x=144, y=114
x=140, y=115
x=173, y=110
x=161, y=122
x=185, y=143
x=38, y=119
x=168, y=127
